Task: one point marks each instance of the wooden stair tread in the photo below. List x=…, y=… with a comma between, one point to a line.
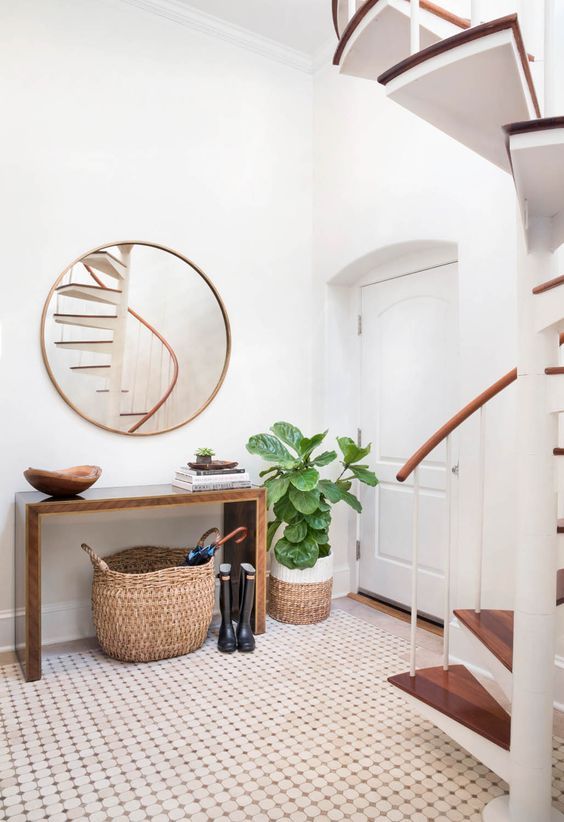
x=548, y=285
x=81, y=367
x=458, y=695
x=427, y=5
x=560, y=586
x=89, y=287
x=560, y=526
x=494, y=629
x=473, y=33
x=554, y=370
x=540, y=124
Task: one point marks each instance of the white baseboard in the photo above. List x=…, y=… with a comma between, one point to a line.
x=70, y=620
x=60, y=622
x=341, y=581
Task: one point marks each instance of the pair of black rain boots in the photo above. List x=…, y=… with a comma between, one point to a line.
x=241, y=639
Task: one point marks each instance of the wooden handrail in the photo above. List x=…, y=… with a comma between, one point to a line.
x=453, y=424
x=335, y=13
x=167, y=345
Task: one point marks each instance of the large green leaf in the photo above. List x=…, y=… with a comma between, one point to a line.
x=288, y=433
x=323, y=505
x=325, y=458
x=305, y=480
x=364, y=475
x=318, y=521
x=353, y=501
x=324, y=551
x=330, y=490
x=321, y=537
x=337, y=492
x=351, y=451
x=268, y=471
x=296, y=532
x=269, y=448
x=285, y=511
x=308, y=444
x=276, y=488
x=305, y=501
x=297, y=554
x=271, y=531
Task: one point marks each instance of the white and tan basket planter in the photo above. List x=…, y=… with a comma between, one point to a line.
x=301, y=597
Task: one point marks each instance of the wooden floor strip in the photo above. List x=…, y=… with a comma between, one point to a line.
x=397, y=613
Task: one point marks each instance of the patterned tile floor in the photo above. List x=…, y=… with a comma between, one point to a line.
x=306, y=728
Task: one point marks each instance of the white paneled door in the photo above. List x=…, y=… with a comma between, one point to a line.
x=409, y=389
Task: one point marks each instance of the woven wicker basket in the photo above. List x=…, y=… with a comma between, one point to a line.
x=304, y=602
x=145, y=607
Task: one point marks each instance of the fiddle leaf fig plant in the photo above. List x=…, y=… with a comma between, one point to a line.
x=300, y=498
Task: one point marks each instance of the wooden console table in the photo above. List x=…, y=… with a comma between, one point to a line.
x=245, y=506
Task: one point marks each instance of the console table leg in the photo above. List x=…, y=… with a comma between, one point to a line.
x=252, y=515
x=32, y=638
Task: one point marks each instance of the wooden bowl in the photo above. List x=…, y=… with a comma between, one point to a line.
x=64, y=483
x=215, y=465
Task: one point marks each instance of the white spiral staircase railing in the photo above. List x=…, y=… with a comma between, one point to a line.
x=449, y=70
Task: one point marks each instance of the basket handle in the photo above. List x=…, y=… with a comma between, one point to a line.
x=95, y=559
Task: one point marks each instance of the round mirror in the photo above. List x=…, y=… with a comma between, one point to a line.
x=135, y=338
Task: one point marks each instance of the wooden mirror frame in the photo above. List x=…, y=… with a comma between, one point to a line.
x=197, y=270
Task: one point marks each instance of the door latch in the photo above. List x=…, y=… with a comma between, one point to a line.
x=456, y=469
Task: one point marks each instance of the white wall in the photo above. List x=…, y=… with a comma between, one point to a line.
x=382, y=177
x=119, y=125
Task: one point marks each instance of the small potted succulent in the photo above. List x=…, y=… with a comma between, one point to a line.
x=204, y=455
x=301, y=573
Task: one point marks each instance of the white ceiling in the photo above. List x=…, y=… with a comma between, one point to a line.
x=304, y=25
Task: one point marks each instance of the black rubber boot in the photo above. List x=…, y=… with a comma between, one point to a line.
x=245, y=638
x=226, y=641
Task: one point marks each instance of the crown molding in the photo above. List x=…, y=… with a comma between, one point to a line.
x=323, y=57
x=180, y=12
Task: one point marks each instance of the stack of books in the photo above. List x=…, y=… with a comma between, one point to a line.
x=194, y=480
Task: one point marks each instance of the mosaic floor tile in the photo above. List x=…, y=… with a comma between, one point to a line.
x=305, y=728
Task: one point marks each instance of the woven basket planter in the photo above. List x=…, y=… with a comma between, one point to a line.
x=145, y=607
x=301, y=597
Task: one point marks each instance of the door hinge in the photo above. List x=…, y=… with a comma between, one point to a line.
x=359, y=325
x=359, y=437
x=358, y=549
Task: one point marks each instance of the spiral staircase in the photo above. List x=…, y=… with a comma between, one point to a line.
x=117, y=362
x=473, y=81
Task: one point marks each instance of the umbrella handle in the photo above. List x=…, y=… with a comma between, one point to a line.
x=242, y=531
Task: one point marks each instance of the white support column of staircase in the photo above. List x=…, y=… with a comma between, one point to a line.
x=476, y=12
x=530, y=796
x=549, y=58
x=415, y=30
x=118, y=349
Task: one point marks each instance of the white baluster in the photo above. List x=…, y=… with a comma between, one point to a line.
x=446, y=630
x=134, y=392
x=352, y=9
x=549, y=58
x=414, y=569
x=414, y=27
x=476, y=13
x=149, y=372
x=482, y=503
